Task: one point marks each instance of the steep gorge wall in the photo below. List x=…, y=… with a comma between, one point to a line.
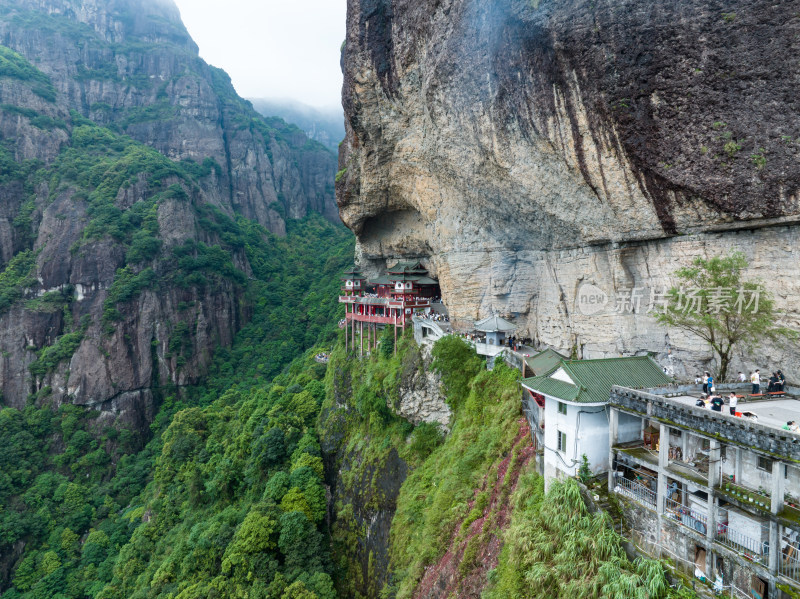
x=526, y=148
x=131, y=67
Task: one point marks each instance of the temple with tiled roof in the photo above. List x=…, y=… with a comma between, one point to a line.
x=390, y=299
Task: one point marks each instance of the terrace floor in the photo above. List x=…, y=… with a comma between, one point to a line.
x=770, y=412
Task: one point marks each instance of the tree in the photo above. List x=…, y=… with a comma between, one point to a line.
x=584, y=472
x=716, y=303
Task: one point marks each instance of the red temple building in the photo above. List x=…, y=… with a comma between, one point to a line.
x=390, y=299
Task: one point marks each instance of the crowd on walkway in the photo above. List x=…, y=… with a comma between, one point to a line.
x=711, y=400
x=775, y=384
x=435, y=317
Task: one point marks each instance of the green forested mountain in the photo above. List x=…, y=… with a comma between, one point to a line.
x=169, y=266
x=84, y=511
x=131, y=174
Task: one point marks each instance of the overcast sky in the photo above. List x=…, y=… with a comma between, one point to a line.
x=273, y=48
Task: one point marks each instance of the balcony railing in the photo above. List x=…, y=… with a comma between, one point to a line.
x=487, y=349
x=687, y=516
x=636, y=491
x=754, y=549
x=375, y=318
x=789, y=559
x=410, y=302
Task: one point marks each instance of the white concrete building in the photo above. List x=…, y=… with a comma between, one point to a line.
x=568, y=409
x=718, y=494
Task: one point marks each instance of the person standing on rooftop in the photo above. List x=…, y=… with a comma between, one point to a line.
x=733, y=401
x=755, y=378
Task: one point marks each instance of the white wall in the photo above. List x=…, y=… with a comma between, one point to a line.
x=555, y=461
x=591, y=439
x=629, y=428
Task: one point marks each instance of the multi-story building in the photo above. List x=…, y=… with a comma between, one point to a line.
x=719, y=494
x=391, y=299
x=567, y=408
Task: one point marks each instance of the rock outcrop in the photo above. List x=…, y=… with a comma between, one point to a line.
x=526, y=149
x=420, y=397
x=78, y=80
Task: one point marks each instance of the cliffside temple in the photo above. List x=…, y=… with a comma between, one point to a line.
x=389, y=300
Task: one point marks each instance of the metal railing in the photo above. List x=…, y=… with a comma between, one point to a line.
x=754, y=549
x=789, y=559
x=687, y=516
x=637, y=491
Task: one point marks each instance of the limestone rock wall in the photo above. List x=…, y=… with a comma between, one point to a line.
x=420, y=393
x=524, y=148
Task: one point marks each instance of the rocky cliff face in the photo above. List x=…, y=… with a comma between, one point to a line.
x=526, y=149
x=121, y=148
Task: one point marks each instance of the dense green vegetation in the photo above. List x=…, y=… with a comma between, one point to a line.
x=356, y=416
x=18, y=275
x=435, y=498
x=14, y=66
x=555, y=548
x=230, y=482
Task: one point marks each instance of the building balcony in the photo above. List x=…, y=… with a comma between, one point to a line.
x=384, y=301
x=639, y=453
x=789, y=559
x=374, y=318
x=744, y=497
x=686, y=473
x=487, y=349
x=366, y=300
x=689, y=517
x=753, y=544
x=635, y=490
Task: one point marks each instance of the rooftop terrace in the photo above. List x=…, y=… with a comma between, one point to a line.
x=764, y=434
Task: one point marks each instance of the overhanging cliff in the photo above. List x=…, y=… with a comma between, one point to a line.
x=528, y=148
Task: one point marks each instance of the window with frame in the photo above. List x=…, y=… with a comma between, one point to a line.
x=562, y=407
x=764, y=464
x=562, y=441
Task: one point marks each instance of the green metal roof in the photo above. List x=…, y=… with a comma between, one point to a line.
x=382, y=280
x=353, y=274
x=594, y=378
x=544, y=362
x=552, y=387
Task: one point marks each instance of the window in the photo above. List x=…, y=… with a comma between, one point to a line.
x=562, y=441
x=764, y=464
x=562, y=408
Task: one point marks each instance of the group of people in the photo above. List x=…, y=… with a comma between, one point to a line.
x=437, y=317
x=791, y=426
x=715, y=402
x=776, y=382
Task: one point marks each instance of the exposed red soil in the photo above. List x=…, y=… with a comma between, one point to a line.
x=443, y=579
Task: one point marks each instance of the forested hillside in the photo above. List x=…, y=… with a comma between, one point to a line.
x=86, y=511
x=132, y=179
